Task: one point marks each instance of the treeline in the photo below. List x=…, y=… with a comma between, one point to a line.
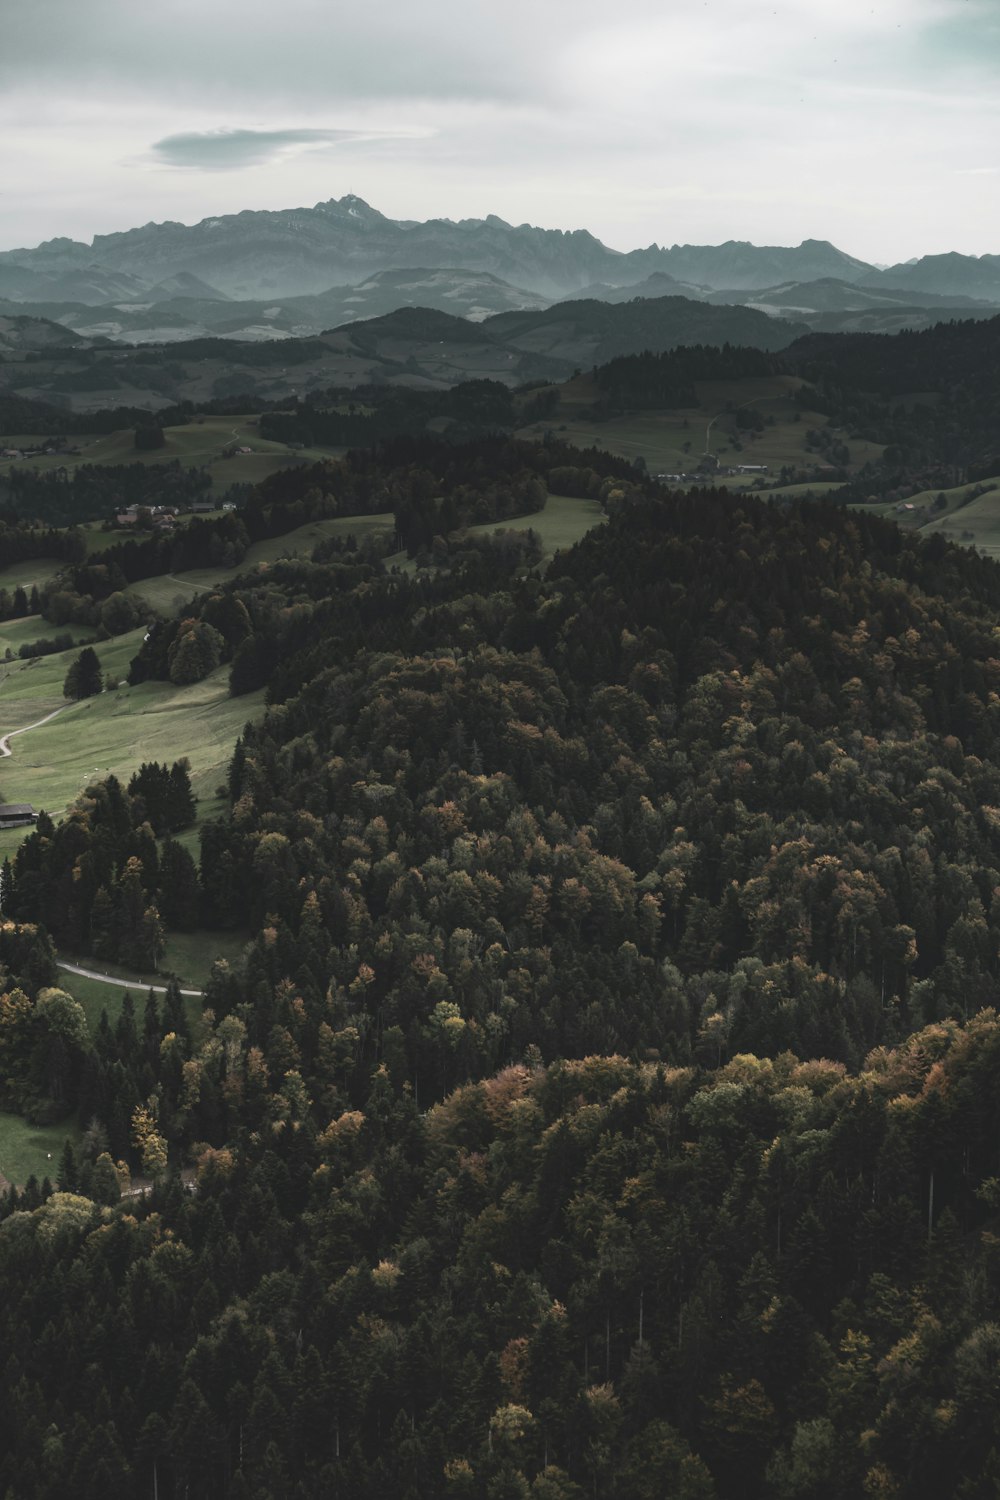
x=370, y=414
x=647, y=380
x=97, y=491
x=938, y=358
x=20, y=543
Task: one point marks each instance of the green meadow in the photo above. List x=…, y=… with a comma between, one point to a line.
x=200, y=444
x=114, y=732
x=170, y=591
x=672, y=440
x=188, y=957
x=965, y=517
x=28, y=575
x=24, y=632
x=561, y=524
x=32, y=1150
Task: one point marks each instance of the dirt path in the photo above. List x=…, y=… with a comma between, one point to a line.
x=6, y=738
x=122, y=984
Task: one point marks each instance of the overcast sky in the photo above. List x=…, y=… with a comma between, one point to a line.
x=872, y=123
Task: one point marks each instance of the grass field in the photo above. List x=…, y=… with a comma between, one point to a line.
x=96, y=997
x=660, y=437
x=970, y=519
x=975, y=521
x=114, y=732
x=27, y=1149
x=17, y=633
x=188, y=955
x=201, y=444
x=26, y=575
x=169, y=591
x=29, y=689
x=561, y=524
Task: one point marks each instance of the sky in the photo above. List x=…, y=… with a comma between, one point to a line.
x=871, y=123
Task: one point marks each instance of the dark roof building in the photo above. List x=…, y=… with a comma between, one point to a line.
x=13, y=814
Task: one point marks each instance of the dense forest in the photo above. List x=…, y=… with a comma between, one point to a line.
x=606, y=1103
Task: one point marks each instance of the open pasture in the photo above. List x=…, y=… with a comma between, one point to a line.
x=673, y=439
x=28, y=1150
x=563, y=522
x=188, y=956
x=966, y=517
x=975, y=522
x=199, y=444
x=30, y=628
x=28, y=575
x=169, y=591
x=113, y=732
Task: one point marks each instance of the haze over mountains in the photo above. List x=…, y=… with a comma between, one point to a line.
x=260, y=275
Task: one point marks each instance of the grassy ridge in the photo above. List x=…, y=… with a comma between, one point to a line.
x=966, y=517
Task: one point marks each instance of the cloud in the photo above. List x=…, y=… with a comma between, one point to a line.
x=690, y=120
x=232, y=150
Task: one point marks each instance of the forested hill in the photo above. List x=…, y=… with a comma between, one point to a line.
x=607, y=1105
x=724, y=735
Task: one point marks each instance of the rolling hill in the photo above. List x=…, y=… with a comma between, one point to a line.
x=412, y=346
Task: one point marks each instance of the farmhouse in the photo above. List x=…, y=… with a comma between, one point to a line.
x=16, y=814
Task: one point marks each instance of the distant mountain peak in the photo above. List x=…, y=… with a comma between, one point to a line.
x=350, y=206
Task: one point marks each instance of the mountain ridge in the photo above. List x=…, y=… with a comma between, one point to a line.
x=289, y=251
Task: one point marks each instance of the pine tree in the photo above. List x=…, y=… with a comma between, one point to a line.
x=180, y=795
x=84, y=680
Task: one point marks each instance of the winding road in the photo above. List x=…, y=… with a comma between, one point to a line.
x=5, y=739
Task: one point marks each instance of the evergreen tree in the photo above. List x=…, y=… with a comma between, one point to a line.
x=83, y=679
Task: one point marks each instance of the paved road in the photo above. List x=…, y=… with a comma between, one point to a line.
x=122, y=984
x=5, y=739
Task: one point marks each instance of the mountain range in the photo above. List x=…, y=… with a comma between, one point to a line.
x=273, y=256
